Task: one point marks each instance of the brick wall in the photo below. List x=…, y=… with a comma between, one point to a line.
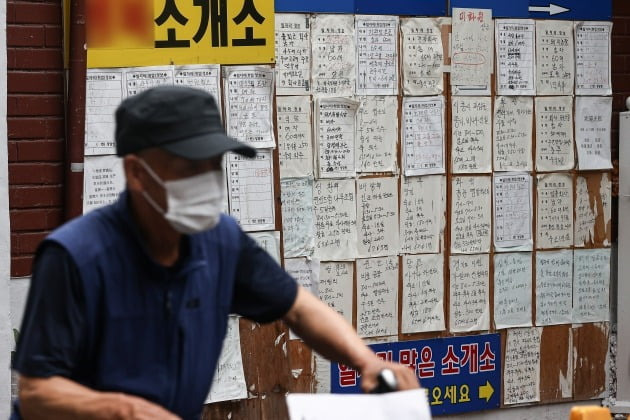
x=35, y=118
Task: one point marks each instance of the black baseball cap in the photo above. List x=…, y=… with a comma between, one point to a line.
x=181, y=120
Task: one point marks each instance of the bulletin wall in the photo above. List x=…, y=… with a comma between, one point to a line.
x=425, y=177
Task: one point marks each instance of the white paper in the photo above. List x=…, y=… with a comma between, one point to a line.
x=336, y=286
x=333, y=55
x=472, y=51
x=422, y=293
x=298, y=219
x=206, y=77
x=335, y=128
x=229, y=379
x=592, y=58
x=516, y=56
x=593, y=117
x=104, y=90
x=269, y=241
x=248, y=92
x=513, y=290
x=555, y=58
x=250, y=191
x=377, y=296
x=554, y=134
x=305, y=272
x=422, y=56
x=471, y=150
x=422, y=214
x=554, y=287
x=293, y=54
x=377, y=54
x=513, y=127
x=377, y=216
x=295, y=139
x=377, y=134
x=334, y=203
x=406, y=405
x=554, y=211
x=469, y=293
x=513, y=211
x=103, y=181
x=585, y=214
x=591, y=285
x=139, y=79
x=521, y=375
x=471, y=222
x=423, y=135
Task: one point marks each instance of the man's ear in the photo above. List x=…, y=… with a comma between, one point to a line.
x=133, y=172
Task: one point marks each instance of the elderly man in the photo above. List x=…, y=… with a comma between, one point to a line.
x=129, y=304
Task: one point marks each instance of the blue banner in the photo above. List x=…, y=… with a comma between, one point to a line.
x=461, y=374
x=370, y=7
x=542, y=9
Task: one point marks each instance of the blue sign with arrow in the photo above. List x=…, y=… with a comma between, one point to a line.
x=542, y=9
x=461, y=374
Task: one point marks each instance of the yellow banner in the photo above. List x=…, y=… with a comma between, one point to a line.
x=129, y=33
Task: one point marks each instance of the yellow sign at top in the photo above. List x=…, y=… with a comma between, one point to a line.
x=129, y=33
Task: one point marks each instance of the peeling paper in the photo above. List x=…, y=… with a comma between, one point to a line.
x=278, y=339
x=296, y=373
x=585, y=214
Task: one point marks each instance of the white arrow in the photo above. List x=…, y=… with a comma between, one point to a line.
x=552, y=9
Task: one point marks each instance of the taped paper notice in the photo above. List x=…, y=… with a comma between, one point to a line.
x=423, y=293
x=592, y=210
x=471, y=150
x=513, y=212
x=305, y=272
x=592, y=58
x=377, y=55
x=513, y=126
x=335, y=127
x=297, y=217
x=422, y=56
x=377, y=134
x=422, y=214
x=554, y=283
x=472, y=51
x=103, y=181
x=293, y=54
x=554, y=211
x=554, y=134
x=521, y=375
x=555, y=58
x=593, y=117
x=333, y=52
x=513, y=290
x=249, y=104
x=201, y=76
x=470, y=218
x=334, y=202
x=336, y=286
x=516, y=59
x=591, y=285
x=377, y=296
x=250, y=191
x=104, y=90
x=295, y=142
x=228, y=382
x=377, y=216
x=269, y=241
x=139, y=79
x=423, y=135
x=469, y=293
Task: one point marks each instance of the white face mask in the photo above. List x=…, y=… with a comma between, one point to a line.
x=193, y=204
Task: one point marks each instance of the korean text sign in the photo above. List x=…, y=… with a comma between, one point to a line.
x=461, y=374
x=128, y=33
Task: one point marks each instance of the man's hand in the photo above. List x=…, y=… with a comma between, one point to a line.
x=405, y=377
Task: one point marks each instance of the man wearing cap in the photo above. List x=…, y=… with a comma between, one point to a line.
x=129, y=304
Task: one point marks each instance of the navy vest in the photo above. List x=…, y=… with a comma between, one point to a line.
x=152, y=331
